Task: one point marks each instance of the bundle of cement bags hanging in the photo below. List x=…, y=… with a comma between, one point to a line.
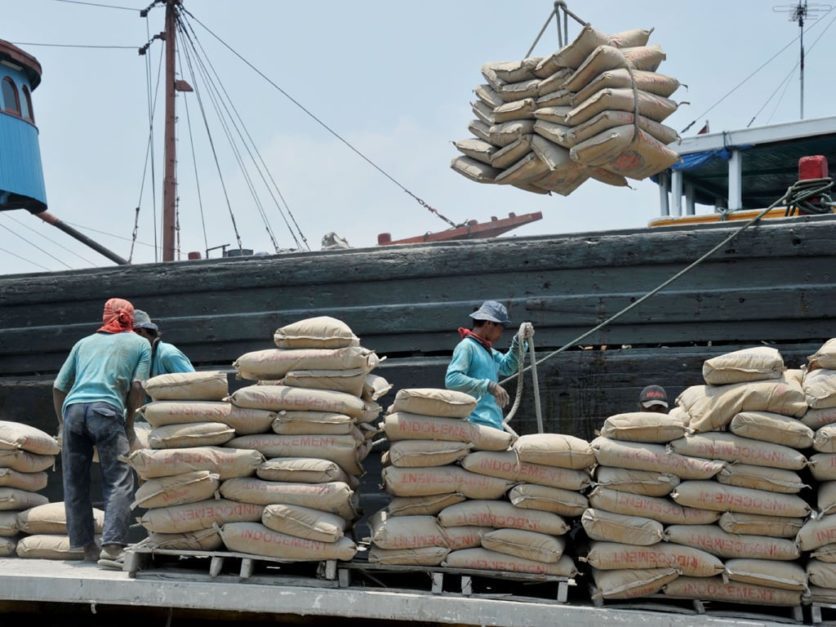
x=25, y=455
x=314, y=403
x=468, y=496
x=594, y=109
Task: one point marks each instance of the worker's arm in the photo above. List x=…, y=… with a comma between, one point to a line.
x=61, y=387
x=173, y=359
x=457, y=372
x=136, y=399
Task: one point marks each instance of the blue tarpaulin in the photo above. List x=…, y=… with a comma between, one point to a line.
x=694, y=160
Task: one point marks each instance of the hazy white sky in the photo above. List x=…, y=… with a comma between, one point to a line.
x=395, y=78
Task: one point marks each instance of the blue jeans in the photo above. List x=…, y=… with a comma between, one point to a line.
x=101, y=425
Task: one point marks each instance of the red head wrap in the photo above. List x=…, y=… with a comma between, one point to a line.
x=118, y=316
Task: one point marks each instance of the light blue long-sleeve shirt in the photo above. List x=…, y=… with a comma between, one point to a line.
x=471, y=370
x=169, y=359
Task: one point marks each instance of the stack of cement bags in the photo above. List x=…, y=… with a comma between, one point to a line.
x=317, y=385
x=819, y=534
x=592, y=110
x=746, y=418
x=630, y=506
x=185, y=463
x=25, y=454
x=457, y=516
x=46, y=526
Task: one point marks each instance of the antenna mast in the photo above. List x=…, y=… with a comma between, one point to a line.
x=170, y=179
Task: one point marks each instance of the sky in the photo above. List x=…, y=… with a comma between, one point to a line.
x=393, y=78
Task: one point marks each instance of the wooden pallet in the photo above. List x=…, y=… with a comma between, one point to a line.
x=142, y=561
x=464, y=578
x=822, y=612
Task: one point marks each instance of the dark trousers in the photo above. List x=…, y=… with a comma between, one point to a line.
x=101, y=425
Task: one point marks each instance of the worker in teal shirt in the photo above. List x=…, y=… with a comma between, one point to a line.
x=165, y=358
x=476, y=366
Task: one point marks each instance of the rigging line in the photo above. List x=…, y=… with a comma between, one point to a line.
x=151, y=113
x=25, y=259
x=781, y=98
x=122, y=237
x=740, y=84
x=540, y=34
x=216, y=98
x=310, y=114
x=192, y=40
x=194, y=163
x=49, y=239
x=215, y=156
x=95, y=46
x=63, y=263
x=99, y=5
x=255, y=149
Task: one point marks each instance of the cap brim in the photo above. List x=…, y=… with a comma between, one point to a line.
x=655, y=404
x=479, y=315
x=147, y=325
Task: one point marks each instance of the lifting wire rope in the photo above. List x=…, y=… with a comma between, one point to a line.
x=319, y=121
x=49, y=239
x=795, y=196
x=33, y=245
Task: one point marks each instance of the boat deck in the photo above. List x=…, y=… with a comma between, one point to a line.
x=45, y=582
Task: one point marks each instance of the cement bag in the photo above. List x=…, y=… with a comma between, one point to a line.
x=651, y=106
x=554, y=449
x=465, y=537
x=761, y=478
x=604, y=176
x=506, y=466
x=689, y=561
x=318, y=332
x=748, y=364
x=190, y=487
x=225, y=462
x=188, y=386
x=14, y=499
x=477, y=149
x=773, y=574
x=190, y=435
x=406, y=532
x=280, y=397
x=509, y=132
x=714, y=540
x=645, y=58
x=444, y=480
x=511, y=92
x=648, y=82
x=512, y=153
x=564, y=180
x=604, y=147
x=642, y=426
x=825, y=439
x=334, y=497
x=7, y=547
x=375, y=387
x=249, y=421
x=557, y=98
x=517, y=110
x=348, y=381
x=816, y=533
x=818, y=418
x=714, y=589
x=488, y=95
x=630, y=583
x=18, y=436
x=631, y=38
x=775, y=428
x=574, y=54
x=202, y=540
x=530, y=545
x=480, y=129
x=499, y=515
x=820, y=389
x=636, y=481
x=163, y=413
x=196, y=516
x=826, y=495
x=732, y=448
x=553, y=82
x=526, y=170
x=48, y=547
x=8, y=524
x=821, y=595
x=304, y=522
x=426, y=453
x=29, y=481
x=302, y=470
x=342, y=449
x=563, y=502
x=659, y=509
x=474, y=170
x=600, y=60
x=772, y=526
x=552, y=155
x=725, y=498
x=821, y=574
x=825, y=554
x=404, y=426
x=825, y=357
x=712, y=408
x=644, y=157
x=609, y=527
x=275, y=363
x=652, y=458
x=434, y=402
x=611, y=119
x=256, y=539
x=23, y=461
x=823, y=466
x=312, y=423
x=422, y=505
x=554, y=114
x=51, y=518
x=428, y=556
x=483, y=559
x=554, y=132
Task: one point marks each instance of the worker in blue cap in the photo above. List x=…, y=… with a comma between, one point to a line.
x=165, y=358
x=476, y=366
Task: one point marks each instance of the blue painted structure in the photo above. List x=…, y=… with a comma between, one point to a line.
x=21, y=172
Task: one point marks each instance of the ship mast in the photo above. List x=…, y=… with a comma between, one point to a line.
x=170, y=177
